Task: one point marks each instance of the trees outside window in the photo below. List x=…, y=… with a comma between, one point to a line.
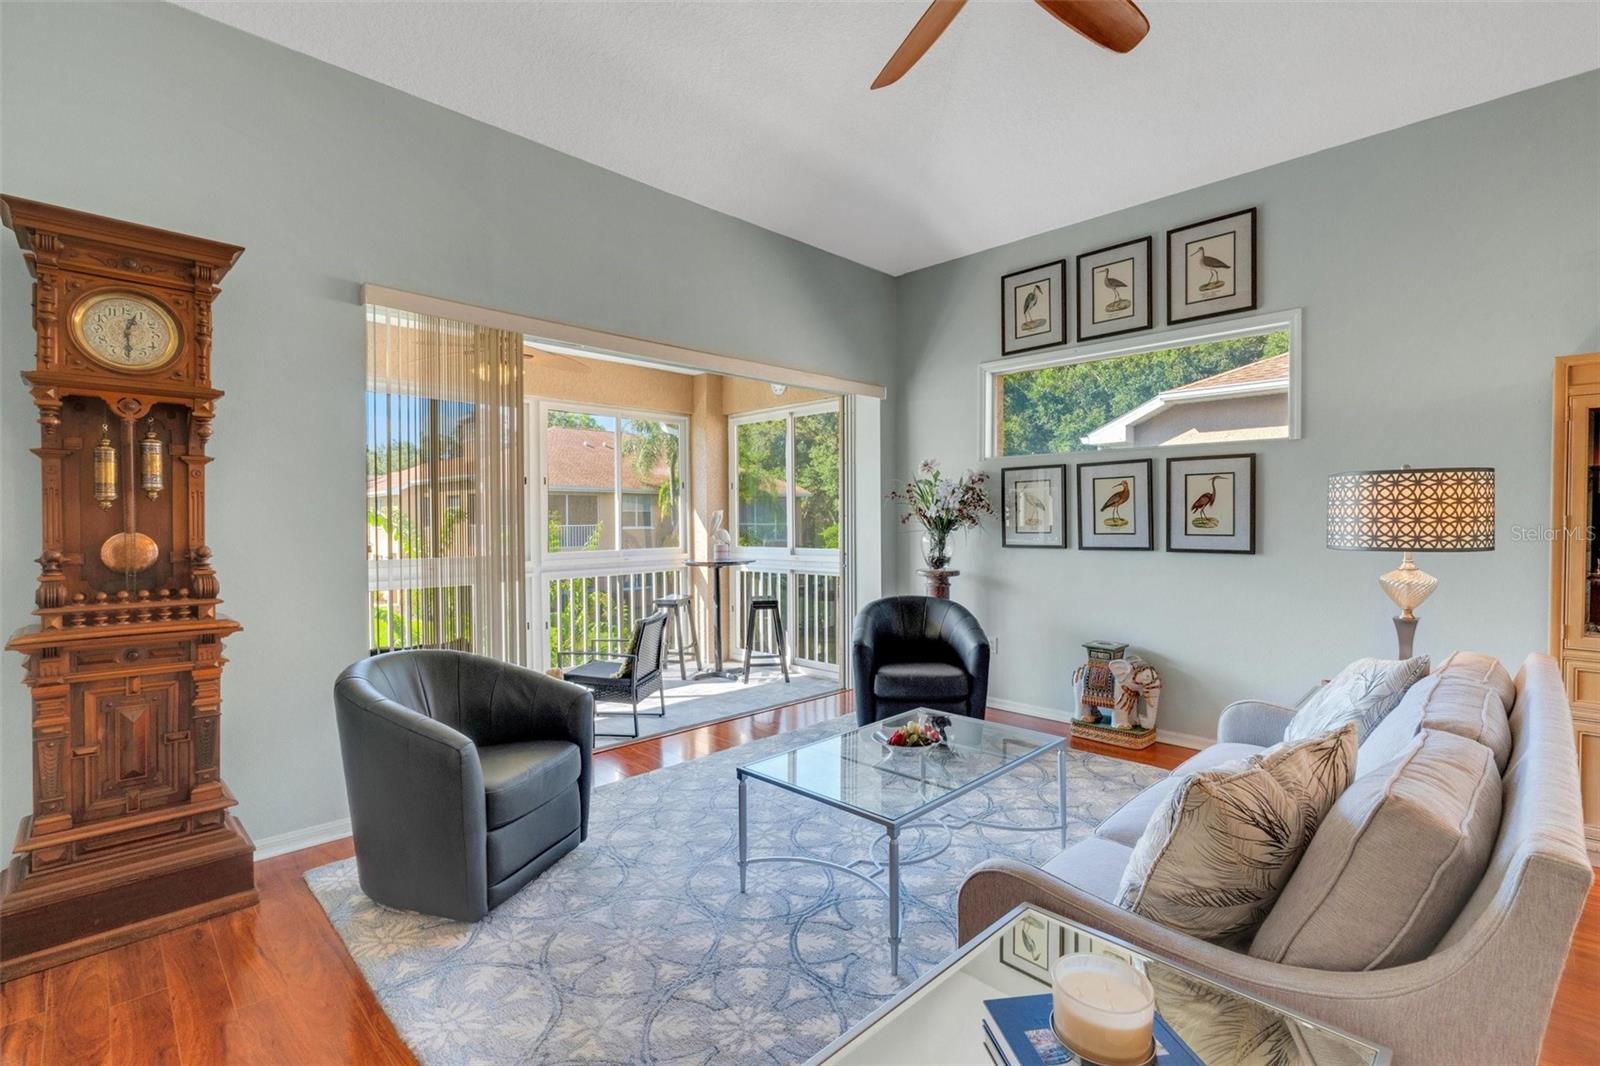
x=767, y=448
x=1231, y=389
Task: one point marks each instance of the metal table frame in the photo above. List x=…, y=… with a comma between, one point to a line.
x=894, y=827
x=714, y=568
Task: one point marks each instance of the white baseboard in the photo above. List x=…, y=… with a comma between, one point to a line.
x=1060, y=714
x=296, y=839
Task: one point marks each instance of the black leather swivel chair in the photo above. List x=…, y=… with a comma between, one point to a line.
x=917, y=651
x=467, y=777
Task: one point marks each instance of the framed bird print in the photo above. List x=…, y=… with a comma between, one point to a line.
x=1114, y=290
x=1034, y=506
x=1211, y=267
x=1033, y=308
x=1114, y=506
x=1033, y=944
x=1211, y=504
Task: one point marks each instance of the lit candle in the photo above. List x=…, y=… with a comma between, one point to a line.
x=1104, y=1009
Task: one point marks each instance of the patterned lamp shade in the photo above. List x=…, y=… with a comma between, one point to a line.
x=1443, y=509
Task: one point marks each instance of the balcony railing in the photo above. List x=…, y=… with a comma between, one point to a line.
x=575, y=536
x=583, y=609
x=808, y=594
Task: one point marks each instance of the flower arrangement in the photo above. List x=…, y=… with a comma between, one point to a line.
x=943, y=505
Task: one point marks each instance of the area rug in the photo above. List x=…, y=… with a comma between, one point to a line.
x=699, y=702
x=638, y=947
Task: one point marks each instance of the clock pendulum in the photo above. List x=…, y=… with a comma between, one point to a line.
x=129, y=552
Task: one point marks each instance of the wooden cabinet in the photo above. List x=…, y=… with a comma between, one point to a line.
x=130, y=832
x=1575, y=566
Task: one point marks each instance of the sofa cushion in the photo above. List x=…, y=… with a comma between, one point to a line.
x=1127, y=823
x=521, y=776
x=1093, y=865
x=1483, y=669
x=1363, y=692
x=920, y=681
x=1216, y=853
x=1453, y=704
x=1393, y=862
x=1446, y=702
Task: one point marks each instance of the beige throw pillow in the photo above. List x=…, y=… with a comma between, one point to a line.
x=1218, y=851
x=1363, y=692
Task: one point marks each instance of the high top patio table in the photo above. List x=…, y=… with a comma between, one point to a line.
x=716, y=566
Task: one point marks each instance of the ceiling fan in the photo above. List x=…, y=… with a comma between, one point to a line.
x=1114, y=24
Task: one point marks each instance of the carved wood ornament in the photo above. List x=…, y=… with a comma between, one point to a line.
x=130, y=832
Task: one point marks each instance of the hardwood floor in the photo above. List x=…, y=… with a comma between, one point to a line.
x=273, y=985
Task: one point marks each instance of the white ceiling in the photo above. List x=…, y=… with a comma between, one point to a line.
x=1010, y=126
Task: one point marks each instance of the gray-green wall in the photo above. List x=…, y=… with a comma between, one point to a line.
x=1441, y=266
x=152, y=113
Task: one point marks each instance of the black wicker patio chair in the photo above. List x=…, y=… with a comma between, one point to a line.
x=630, y=676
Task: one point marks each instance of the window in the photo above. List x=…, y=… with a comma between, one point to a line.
x=786, y=479
x=1233, y=383
x=613, y=481
x=816, y=479
x=762, y=460
x=444, y=476
x=637, y=511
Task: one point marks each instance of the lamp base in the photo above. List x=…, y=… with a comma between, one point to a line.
x=1405, y=629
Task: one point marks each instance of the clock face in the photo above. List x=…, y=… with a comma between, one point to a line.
x=125, y=331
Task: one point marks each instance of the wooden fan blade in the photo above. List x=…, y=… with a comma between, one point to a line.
x=933, y=22
x=1115, y=24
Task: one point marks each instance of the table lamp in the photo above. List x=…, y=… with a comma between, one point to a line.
x=1438, y=509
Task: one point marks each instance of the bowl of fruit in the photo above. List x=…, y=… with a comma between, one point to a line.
x=916, y=733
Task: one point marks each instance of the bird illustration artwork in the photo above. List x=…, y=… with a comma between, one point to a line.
x=1118, y=301
x=1029, y=302
x=1114, y=503
x=1199, y=516
x=1028, y=935
x=1036, y=513
x=1213, y=264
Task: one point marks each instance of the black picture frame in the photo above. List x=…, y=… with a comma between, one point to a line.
x=1058, y=335
x=1053, y=940
x=1009, y=474
x=1086, y=502
x=1174, y=234
x=1177, y=511
x=1086, y=292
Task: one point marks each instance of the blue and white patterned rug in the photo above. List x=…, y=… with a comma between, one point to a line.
x=638, y=947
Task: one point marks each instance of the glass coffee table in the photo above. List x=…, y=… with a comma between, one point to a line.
x=940, y=1018
x=857, y=773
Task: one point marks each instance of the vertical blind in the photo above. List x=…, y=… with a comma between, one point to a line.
x=445, y=548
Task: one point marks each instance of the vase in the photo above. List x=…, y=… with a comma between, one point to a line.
x=936, y=550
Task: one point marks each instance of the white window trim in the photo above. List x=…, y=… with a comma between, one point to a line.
x=775, y=414
x=1174, y=338
x=651, y=558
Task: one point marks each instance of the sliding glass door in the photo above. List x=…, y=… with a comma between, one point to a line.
x=786, y=518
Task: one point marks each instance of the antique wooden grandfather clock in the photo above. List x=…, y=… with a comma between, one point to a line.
x=130, y=832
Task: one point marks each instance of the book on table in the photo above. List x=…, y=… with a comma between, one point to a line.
x=1016, y=1032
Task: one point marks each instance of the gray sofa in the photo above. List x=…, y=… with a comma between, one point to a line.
x=1482, y=993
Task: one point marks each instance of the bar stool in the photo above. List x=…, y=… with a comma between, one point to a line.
x=678, y=604
x=760, y=604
